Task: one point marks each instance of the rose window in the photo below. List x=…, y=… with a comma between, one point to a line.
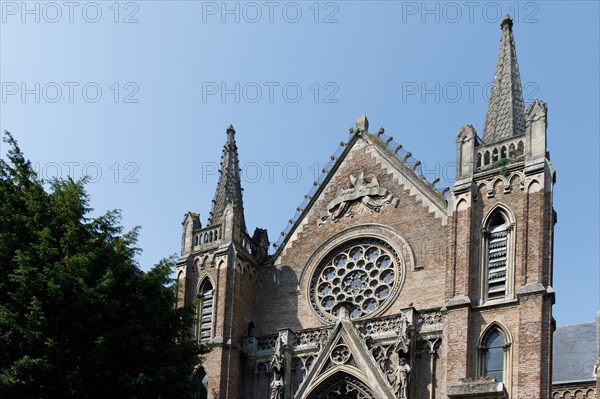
x=364, y=273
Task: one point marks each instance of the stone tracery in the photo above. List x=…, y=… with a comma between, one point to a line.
x=366, y=272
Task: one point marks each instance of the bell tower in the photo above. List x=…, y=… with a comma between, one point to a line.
x=501, y=222
x=217, y=272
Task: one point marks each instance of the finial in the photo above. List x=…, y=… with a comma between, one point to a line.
x=230, y=132
x=507, y=22
x=362, y=123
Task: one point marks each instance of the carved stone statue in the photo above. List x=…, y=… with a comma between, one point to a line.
x=401, y=383
x=277, y=387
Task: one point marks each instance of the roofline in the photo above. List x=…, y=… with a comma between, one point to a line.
x=590, y=379
x=356, y=134
x=576, y=324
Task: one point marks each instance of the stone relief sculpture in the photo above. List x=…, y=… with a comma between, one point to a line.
x=368, y=192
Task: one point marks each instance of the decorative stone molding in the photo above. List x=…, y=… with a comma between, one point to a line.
x=383, y=346
x=357, y=196
x=365, y=271
x=312, y=337
x=477, y=387
x=508, y=182
x=399, y=257
x=429, y=321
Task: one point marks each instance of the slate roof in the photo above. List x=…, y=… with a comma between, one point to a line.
x=575, y=352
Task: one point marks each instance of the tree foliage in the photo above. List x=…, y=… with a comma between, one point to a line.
x=78, y=318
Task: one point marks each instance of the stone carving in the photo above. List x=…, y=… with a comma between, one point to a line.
x=402, y=341
x=314, y=337
x=359, y=189
x=389, y=355
x=343, y=386
x=381, y=325
x=340, y=354
x=265, y=343
x=277, y=359
x=366, y=272
x=401, y=379
x=430, y=318
x=277, y=387
x=306, y=363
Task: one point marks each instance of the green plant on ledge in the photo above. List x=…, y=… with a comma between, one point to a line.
x=502, y=163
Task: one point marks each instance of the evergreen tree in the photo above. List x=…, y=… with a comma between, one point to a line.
x=78, y=318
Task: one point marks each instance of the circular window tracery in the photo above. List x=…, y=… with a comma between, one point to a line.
x=364, y=273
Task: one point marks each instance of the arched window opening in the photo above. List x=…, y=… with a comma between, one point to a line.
x=520, y=148
x=204, y=312
x=497, y=251
x=342, y=386
x=493, y=362
x=180, y=289
x=201, y=380
x=495, y=358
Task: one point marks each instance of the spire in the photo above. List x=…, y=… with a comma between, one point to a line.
x=505, y=115
x=229, y=188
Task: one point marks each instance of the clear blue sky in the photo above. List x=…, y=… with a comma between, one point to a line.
x=173, y=75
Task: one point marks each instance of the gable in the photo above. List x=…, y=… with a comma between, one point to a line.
x=344, y=354
x=366, y=179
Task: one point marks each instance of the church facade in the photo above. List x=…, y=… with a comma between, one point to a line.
x=385, y=286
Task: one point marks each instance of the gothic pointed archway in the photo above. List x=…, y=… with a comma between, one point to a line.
x=342, y=386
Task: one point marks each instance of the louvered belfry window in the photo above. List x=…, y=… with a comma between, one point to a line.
x=497, y=257
x=205, y=308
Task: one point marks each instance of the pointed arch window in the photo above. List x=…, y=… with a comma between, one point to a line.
x=494, y=355
x=204, y=312
x=201, y=384
x=493, y=365
x=497, y=253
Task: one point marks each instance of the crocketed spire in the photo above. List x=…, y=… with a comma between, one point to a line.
x=229, y=188
x=505, y=116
